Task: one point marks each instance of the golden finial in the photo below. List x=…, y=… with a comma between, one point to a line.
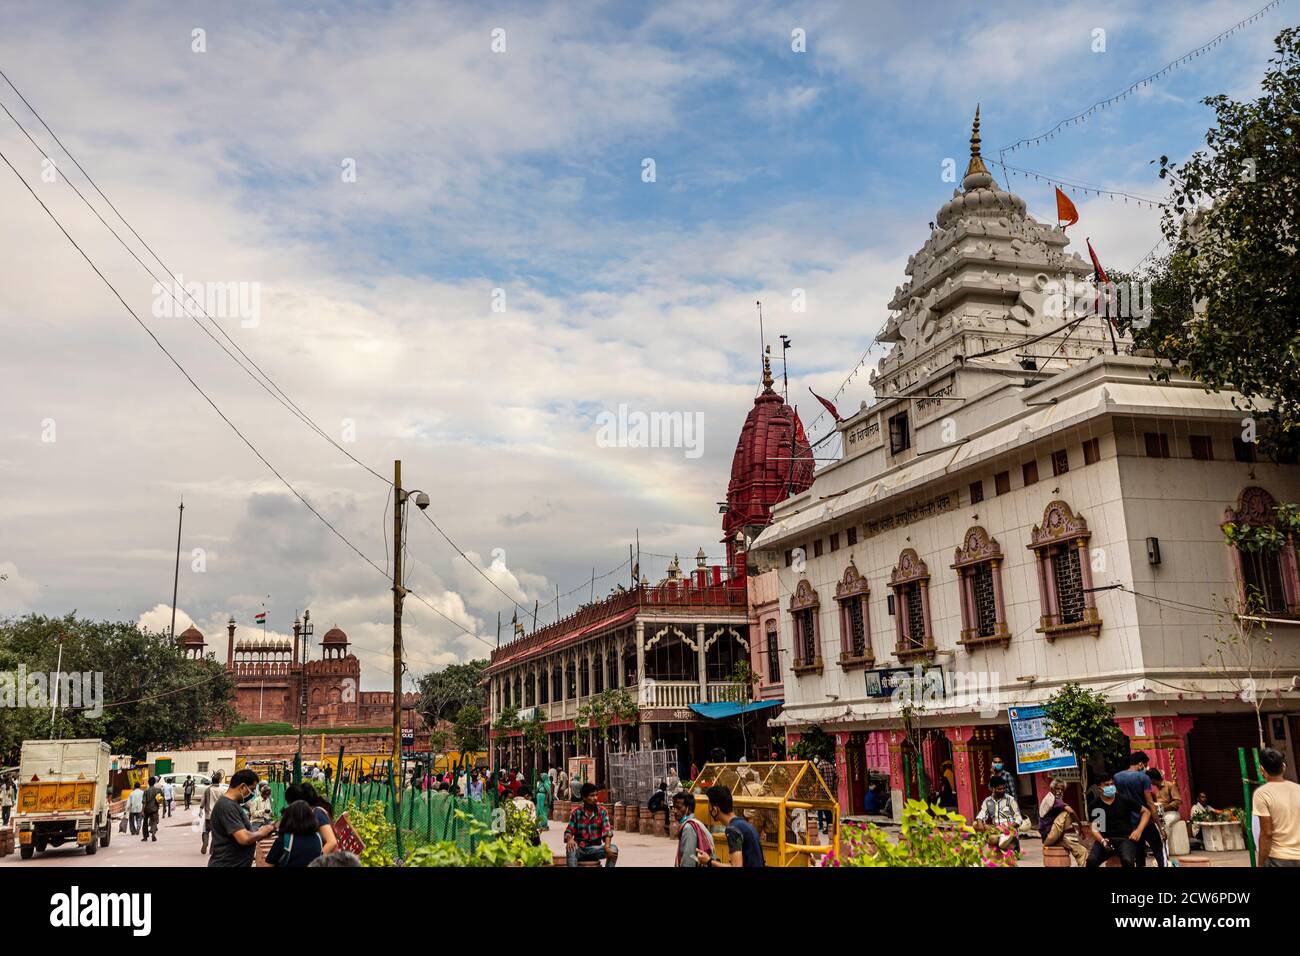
x=976, y=163
x=767, y=367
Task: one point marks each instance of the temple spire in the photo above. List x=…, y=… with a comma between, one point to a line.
x=767, y=368
x=976, y=163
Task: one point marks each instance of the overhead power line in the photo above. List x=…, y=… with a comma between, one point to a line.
x=215, y=407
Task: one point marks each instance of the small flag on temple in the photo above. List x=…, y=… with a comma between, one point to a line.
x=1098, y=271
x=1066, y=214
x=827, y=405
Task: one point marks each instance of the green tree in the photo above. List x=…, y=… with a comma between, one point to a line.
x=814, y=744
x=534, y=734
x=443, y=693
x=1083, y=722
x=1227, y=297
x=743, y=678
x=153, y=697
x=468, y=729
x=611, y=706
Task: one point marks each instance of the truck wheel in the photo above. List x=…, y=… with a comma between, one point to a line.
x=108, y=834
x=92, y=847
x=26, y=852
x=39, y=845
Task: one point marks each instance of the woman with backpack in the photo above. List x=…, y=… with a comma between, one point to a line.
x=298, y=841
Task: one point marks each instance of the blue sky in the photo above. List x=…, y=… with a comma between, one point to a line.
x=518, y=171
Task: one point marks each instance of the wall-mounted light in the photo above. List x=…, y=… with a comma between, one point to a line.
x=1153, y=550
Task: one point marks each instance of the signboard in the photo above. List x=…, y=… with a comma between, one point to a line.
x=408, y=738
x=582, y=769
x=933, y=402
x=347, y=837
x=923, y=683
x=1034, y=752
x=863, y=436
x=667, y=714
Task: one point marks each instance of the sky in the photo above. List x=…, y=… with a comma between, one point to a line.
x=465, y=236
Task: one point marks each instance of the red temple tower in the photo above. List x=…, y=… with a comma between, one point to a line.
x=773, y=460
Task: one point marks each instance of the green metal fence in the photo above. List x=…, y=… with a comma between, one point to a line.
x=426, y=816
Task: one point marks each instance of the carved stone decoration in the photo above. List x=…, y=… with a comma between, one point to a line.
x=671, y=630
x=852, y=583
x=804, y=596
x=713, y=638
x=910, y=567
x=976, y=547
x=1059, y=524
x=1255, y=507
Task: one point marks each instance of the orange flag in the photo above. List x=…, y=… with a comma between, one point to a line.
x=1066, y=214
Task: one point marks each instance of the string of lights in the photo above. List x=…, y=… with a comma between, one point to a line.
x=1083, y=115
x=1070, y=186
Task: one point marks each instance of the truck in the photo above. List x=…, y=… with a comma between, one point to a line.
x=63, y=795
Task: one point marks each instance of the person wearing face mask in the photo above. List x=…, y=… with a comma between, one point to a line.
x=1111, y=814
x=233, y=844
x=1000, y=770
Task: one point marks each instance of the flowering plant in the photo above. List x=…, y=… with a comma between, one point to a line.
x=930, y=836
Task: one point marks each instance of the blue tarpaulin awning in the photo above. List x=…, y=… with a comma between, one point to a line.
x=726, y=708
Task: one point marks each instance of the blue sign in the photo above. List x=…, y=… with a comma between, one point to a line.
x=1034, y=752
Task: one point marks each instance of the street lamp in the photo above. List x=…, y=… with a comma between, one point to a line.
x=306, y=631
x=400, y=499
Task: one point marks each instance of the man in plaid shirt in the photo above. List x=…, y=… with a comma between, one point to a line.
x=589, y=835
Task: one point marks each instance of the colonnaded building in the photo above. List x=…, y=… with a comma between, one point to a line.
x=1021, y=507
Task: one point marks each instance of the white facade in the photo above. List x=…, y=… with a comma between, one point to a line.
x=944, y=451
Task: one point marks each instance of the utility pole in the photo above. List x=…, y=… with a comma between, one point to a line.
x=176, y=580
x=399, y=503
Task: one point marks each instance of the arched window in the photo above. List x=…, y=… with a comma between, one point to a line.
x=773, y=653
x=584, y=678
x=852, y=594
x=507, y=692
x=805, y=606
x=530, y=690
x=910, y=581
x=570, y=681
x=598, y=673
x=543, y=687
x=519, y=691
x=557, y=684
x=978, y=563
x=1060, y=545
x=611, y=667
x=1266, y=575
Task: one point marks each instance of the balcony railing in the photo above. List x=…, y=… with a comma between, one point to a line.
x=685, y=693
x=726, y=595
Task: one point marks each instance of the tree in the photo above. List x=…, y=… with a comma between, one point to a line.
x=743, y=678
x=607, y=708
x=1227, y=297
x=534, y=734
x=814, y=744
x=152, y=697
x=1083, y=722
x=444, y=693
x=468, y=729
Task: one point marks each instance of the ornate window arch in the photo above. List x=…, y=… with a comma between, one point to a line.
x=530, y=688
x=978, y=563
x=910, y=581
x=852, y=594
x=1267, y=580
x=557, y=683
x=543, y=684
x=805, y=611
x=1060, y=545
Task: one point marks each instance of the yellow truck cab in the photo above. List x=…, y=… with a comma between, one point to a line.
x=63, y=795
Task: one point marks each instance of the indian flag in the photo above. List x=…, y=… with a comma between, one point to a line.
x=261, y=617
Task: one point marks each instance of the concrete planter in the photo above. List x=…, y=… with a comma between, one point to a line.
x=1220, y=837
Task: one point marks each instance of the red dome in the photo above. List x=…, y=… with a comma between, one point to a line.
x=335, y=636
x=773, y=460
x=191, y=635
